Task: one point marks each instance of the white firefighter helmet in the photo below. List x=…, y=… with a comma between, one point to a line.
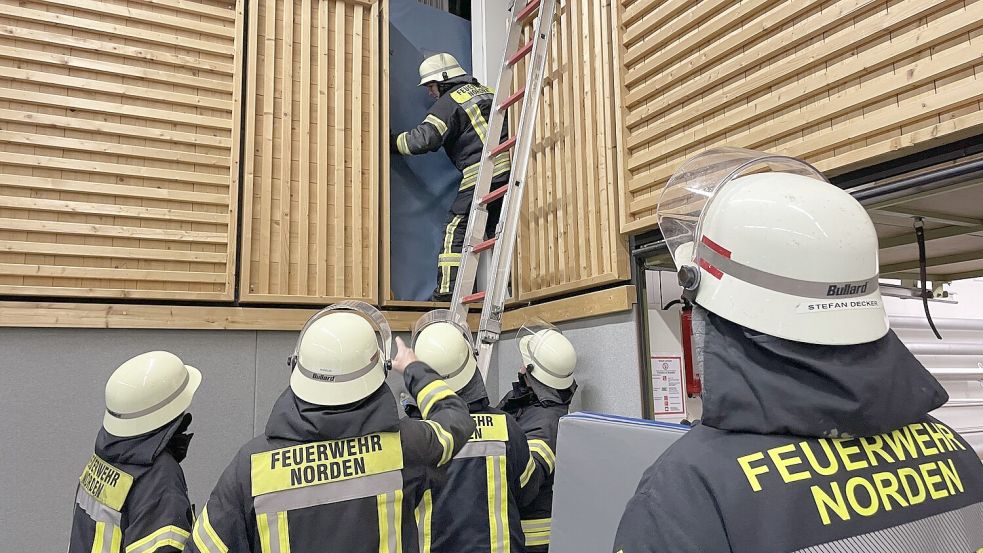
x=439, y=68
x=444, y=342
x=342, y=355
x=147, y=392
x=547, y=354
x=783, y=252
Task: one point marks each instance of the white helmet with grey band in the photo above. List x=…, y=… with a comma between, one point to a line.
x=147, y=392
x=547, y=354
x=781, y=251
x=443, y=341
x=342, y=355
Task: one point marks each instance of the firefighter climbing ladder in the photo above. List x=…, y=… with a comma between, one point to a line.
x=502, y=244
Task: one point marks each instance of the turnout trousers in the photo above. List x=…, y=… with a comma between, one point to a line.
x=455, y=230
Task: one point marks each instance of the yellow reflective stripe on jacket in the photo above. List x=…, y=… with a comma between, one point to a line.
x=437, y=123
x=424, y=521
x=527, y=473
x=431, y=394
x=503, y=164
x=402, y=143
x=274, y=532
x=537, y=531
x=543, y=449
x=390, y=508
x=206, y=538
x=498, y=504
x=446, y=440
x=166, y=536
x=478, y=122
x=108, y=538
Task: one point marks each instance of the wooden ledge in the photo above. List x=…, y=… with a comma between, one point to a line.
x=93, y=315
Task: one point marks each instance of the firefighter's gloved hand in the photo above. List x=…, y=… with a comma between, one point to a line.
x=392, y=143
x=404, y=356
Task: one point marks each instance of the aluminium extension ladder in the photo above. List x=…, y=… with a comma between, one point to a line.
x=502, y=244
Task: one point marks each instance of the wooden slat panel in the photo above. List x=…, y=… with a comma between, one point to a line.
x=120, y=31
x=143, y=16
x=566, y=242
x=115, y=129
x=851, y=84
x=85, y=229
x=127, y=91
x=78, y=43
x=313, y=91
x=117, y=148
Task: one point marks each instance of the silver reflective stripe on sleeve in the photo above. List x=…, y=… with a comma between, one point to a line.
x=783, y=284
x=956, y=530
x=205, y=536
x=171, y=536
x=96, y=510
x=481, y=449
x=331, y=492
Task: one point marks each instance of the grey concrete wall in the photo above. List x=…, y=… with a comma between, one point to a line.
x=607, y=364
x=53, y=380
x=51, y=402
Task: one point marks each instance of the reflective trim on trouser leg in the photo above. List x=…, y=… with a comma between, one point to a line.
x=446, y=270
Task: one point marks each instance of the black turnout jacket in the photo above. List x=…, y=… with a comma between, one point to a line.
x=810, y=448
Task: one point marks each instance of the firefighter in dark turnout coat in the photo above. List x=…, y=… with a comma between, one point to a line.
x=458, y=122
x=815, y=435
x=476, y=508
x=336, y=469
x=132, y=495
x=538, y=399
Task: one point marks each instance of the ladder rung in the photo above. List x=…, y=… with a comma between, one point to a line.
x=526, y=11
x=482, y=246
x=512, y=99
x=494, y=195
x=518, y=55
x=503, y=146
x=473, y=298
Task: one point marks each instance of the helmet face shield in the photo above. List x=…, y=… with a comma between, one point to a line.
x=443, y=341
x=442, y=316
x=546, y=354
x=531, y=336
x=766, y=242
x=693, y=186
x=374, y=317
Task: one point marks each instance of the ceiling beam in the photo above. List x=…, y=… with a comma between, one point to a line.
x=922, y=195
x=930, y=234
x=932, y=262
x=933, y=216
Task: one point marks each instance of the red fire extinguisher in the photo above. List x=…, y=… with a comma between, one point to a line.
x=694, y=386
